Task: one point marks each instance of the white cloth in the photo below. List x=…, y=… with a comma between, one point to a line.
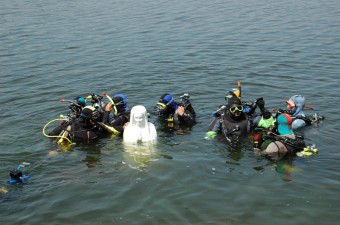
x=139, y=129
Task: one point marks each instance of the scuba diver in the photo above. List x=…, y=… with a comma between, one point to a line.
x=176, y=113
x=76, y=106
x=280, y=140
x=84, y=128
x=295, y=106
x=121, y=115
x=17, y=175
x=139, y=130
x=233, y=121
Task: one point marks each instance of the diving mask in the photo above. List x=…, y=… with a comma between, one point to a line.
x=290, y=104
x=161, y=106
x=115, y=108
x=236, y=108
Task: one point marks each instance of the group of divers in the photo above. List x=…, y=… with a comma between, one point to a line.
x=272, y=132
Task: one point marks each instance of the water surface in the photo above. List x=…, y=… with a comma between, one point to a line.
x=52, y=50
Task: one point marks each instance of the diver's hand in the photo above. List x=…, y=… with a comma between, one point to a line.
x=108, y=107
x=180, y=110
x=126, y=124
x=260, y=103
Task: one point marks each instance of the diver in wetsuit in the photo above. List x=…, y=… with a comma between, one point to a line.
x=121, y=115
x=295, y=105
x=280, y=141
x=84, y=128
x=232, y=121
x=176, y=113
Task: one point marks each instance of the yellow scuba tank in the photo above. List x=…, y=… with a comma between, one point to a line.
x=63, y=140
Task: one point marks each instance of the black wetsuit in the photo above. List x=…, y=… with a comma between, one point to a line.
x=118, y=121
x=60, y=128
x=230, y=125
x=82, y=130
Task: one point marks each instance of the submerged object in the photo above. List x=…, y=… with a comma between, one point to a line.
x=3, y=190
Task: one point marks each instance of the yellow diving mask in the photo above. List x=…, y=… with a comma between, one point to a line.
x=161, y=106
x=236, y=108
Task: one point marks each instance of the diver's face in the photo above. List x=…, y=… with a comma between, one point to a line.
x=161, y=108
x=138, y=118
x=237, y=113
x=236, y=110
x=290, y=104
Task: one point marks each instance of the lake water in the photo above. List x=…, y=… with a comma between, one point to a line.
x=62, y=49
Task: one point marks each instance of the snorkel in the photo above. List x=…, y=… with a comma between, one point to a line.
x=113, y=103
x=239, y=88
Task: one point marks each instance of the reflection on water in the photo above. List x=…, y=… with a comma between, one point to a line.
x=93, y=156
x=285, y=168
x=139, y=156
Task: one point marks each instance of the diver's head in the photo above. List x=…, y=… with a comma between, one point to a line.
x=296, y=103
x=284, y=122
x=120, y=103
x=90, y=114
x=77, y=105
x=166, y=104
x=234, y=106
x=80, y=101
x=235, y=92
x=16, y=175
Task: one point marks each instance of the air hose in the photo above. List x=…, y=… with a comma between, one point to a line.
x=56, y=136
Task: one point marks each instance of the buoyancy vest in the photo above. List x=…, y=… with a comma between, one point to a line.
x=293, y=145
x=82, y=132
x=232, y=126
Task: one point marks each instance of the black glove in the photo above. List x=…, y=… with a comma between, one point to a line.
x=260, y=103
x=266, y=114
